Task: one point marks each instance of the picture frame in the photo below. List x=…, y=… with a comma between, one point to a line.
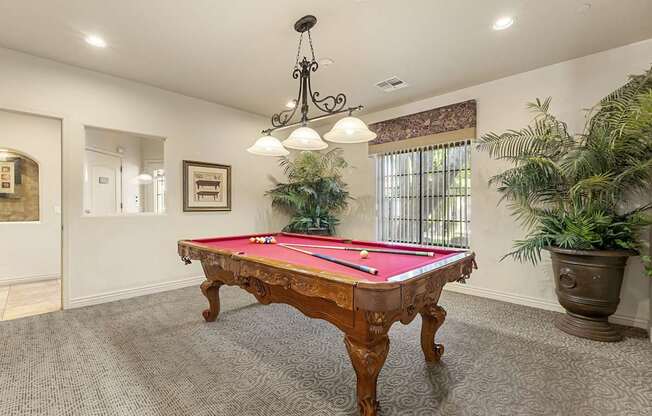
x=206, y=187
x=7, y=178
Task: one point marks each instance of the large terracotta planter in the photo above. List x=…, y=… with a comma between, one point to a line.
x=588, y=287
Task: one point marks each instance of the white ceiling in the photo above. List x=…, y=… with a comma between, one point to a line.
x=241, y=52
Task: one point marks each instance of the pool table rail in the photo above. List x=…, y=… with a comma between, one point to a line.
x=240, y=269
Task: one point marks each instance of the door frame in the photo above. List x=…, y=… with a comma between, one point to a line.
x=120, y=203
x=147, y=166
x=64, y=232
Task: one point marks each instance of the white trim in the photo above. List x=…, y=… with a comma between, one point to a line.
x=133, y=292
x=125, y=215
x=104, y=152
x=131, y=133
x=535, y=303
x=27, y=279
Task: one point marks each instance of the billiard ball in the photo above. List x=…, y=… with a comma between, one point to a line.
x=272, y=240
x=252, y=240
x=364, y=254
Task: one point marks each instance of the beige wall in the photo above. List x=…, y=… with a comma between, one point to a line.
x=574, y=85
x=32, y=250
x=108, y=258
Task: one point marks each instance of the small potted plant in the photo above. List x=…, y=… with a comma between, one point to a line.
x=584, y=198
x=315, y=193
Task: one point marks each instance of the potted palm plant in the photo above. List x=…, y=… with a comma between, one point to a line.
x=315, y=193
x=583, y=197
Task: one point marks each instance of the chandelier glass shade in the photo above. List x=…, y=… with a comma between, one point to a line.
x=348, y=130
x=305, y=138
x=268, y=146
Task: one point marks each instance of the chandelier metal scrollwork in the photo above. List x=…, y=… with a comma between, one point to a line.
x=347, y=130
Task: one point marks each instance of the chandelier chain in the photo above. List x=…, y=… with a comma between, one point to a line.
x=312, y=50
x=296, y=62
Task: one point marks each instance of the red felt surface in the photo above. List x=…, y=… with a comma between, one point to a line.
x=388, y=265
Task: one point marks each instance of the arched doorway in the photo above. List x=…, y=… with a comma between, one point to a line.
x=19, y=187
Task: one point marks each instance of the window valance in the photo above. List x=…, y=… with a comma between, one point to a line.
x=439, y=125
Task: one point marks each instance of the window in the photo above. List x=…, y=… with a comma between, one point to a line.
x=424, y=195
x=123, y=173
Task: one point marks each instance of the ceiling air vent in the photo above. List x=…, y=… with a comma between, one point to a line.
x=392, y=84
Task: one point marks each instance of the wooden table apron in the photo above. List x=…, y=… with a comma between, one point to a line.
x=364, y=311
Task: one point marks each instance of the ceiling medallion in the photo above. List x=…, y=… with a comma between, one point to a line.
x=347, y=130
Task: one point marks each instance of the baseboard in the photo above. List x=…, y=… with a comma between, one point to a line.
x=27, y=279
x=133, y=292
x=454, y=287
x=535, y=303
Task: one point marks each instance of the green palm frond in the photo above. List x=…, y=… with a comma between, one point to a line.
x=545, y=137
x=315, y=192
x=568, y=190
x=614, y=109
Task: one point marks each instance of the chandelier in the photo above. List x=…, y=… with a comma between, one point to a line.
x=347, y=130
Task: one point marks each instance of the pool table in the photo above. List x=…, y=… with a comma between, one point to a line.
x=363, y=305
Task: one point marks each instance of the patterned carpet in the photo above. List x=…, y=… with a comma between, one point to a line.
x=155, y=355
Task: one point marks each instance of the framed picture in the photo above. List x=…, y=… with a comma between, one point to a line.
x=7, y=178
x=206, y=187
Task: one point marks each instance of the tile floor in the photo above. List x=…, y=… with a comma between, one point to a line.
x=27, y=299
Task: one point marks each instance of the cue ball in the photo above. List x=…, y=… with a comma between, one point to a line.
x=364, y=254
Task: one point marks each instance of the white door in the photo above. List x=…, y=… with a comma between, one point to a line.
x=103, y=182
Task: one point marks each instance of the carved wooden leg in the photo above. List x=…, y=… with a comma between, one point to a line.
x=433, y=317
x=368, y=359
x=211, y=290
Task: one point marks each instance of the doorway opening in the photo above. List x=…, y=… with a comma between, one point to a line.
x=30, y=215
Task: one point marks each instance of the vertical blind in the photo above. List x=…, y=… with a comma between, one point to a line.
x=424, y=195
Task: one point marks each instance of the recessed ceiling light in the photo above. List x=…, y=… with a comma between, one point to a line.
x=291, y=104
x=503, y=23
x=96, y=41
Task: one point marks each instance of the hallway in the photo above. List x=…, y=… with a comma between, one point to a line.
x=27, y=299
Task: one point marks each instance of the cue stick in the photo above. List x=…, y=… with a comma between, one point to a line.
x=370, y=250
x=360, y=267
